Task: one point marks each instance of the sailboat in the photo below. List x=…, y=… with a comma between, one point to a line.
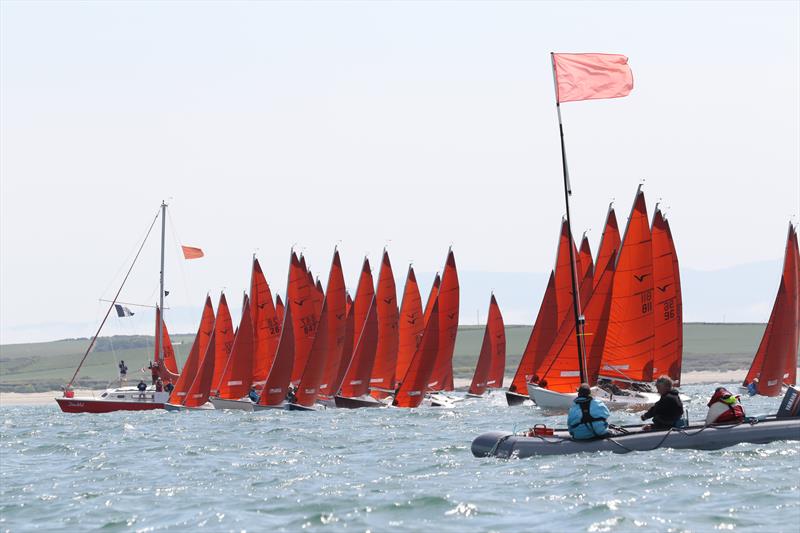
x=414, y=383
x=236, y=379
x=775, y=363
x=328, y=341
x=129, y=398
x=411, y=326
x=383, y=370
x=492, y=359
x=196, y=354
x=668, y=334
x=273, y=394
x=448, y=298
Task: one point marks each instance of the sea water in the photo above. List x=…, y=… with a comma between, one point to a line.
x=372, y=469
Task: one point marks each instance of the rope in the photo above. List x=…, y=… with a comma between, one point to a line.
x=114, y=301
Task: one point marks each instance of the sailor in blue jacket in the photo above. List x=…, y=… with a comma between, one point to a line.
x=588, y=417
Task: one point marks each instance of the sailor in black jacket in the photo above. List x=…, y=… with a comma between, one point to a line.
x=669, y=409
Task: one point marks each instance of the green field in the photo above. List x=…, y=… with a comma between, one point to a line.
x=49, y=365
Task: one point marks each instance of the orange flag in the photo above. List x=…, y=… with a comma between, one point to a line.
x=591, y=76
x=189, y=252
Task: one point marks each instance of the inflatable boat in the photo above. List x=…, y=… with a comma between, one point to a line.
x=785, y=425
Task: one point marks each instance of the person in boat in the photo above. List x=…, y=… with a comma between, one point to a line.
x=290, y=395
x=123, y=372
x=159, y=385
x=588, y=416
x=142, y=386
x=253, y=394
x=667, y=412
x=534, y=379
x=752, y=387
x=169, y=387
x=724, y=408
x=154, y=367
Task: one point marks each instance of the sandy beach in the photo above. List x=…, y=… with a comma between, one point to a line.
x=8, y=399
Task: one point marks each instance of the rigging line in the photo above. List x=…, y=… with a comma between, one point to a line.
x=110, y=307
x=173, y=228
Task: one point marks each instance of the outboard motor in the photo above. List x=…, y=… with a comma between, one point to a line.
x=790, y=406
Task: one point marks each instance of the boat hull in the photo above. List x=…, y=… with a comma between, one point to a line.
x=177, y=407
x=238, y=405
x=257, y=407
x=514, y=398
x=505, y=445
x=560, y=401
x=298, y=407
x=92, y=405
x=344, y=402
x=119, y=399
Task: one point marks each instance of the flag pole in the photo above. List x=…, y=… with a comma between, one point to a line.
x=576, y=305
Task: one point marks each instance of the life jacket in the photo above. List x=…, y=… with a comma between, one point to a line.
x=724, y=408
x=586, y=417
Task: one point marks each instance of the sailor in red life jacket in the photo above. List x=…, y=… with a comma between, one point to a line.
x=724, y=408
x=154, y=370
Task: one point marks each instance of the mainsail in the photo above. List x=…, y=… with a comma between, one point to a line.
x=492, y=359
x=442, y=376
x=168, y=366
x=382, y=379
x=668, y=329
x=609, y=244
x=223, y=339
x=411, y=325
x=300, y=296
x=266, y=324
x=200, y=389
x=336, y=304
x=628, y=354
x=236, y=379
x=356, y=379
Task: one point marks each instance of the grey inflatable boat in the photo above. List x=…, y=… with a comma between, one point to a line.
x=783, y=426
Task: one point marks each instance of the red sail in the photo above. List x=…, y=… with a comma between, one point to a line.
x=266, y=324
x=678, y=301
x=347, y=350
x=411, y=326
x=363, y=301
x=629, y=346
x=609, y=244
x=388, y=317
x=277, y=385
x=442, y=376
x=336, y=305
x=199, y=346
x=585, y=260
x=237, y=376
x=308, y=388
x=775, y=362
x=542, y=336
x=560, y=371
x=413, y=385
x=356, y=380
x=200, y=390
x=168, y=366
x=223, y=335
x=492, y=359
x=437, y=281
x=668, y=329
x=300, y=296
x=279, y=308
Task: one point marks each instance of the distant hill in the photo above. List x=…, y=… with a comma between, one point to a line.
x=47, y=366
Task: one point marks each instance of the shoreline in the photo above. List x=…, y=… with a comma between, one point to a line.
x=696, y=377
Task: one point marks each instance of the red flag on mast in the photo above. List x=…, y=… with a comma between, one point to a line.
x=591, y=76
x=190, y=252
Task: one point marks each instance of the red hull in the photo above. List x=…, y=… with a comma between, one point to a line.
x=84, y=405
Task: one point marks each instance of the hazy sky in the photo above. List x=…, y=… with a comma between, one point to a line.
x=416, y=125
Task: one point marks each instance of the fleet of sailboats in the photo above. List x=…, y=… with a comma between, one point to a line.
x=323, y=349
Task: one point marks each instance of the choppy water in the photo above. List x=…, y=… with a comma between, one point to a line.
x=370, y=469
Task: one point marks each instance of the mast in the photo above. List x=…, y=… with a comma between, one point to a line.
x=579, y=319
x=160, y=353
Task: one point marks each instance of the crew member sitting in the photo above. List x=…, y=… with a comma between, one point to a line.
x=169, y=387
x=588, y=417
x=253, y=394
x=724, y=408
x=752, y=387
x=668, y=410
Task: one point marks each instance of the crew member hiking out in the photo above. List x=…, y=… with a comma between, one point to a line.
x=588, y=417
x=668, y=410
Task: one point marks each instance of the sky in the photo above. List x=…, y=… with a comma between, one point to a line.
x=413, y=125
